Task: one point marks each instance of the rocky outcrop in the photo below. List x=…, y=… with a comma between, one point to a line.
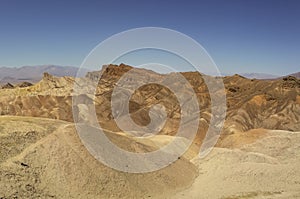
x=251, y=104
x=8, y=86
x=24, y=84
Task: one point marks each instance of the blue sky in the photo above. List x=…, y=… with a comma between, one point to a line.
x=241, y=36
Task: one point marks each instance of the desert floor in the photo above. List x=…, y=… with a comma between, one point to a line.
x=44, y=158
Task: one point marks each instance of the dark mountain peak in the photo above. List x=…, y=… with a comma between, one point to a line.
x=24, y=84
x=8, y=86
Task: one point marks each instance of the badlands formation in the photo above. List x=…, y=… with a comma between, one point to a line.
x=257, y=154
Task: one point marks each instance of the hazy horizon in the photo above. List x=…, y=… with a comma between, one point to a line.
x=246, y=74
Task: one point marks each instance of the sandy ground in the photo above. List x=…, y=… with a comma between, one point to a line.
x=44, y=158
x=53, y=163
x=267, y=168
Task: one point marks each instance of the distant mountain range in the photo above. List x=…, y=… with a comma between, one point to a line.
x=34, y=73
x=266, y=75
x=295, y=75
x=259, y=75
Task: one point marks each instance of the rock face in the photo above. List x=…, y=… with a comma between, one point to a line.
x=291, y=82
x=251, y=104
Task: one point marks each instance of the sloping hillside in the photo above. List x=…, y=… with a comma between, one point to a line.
x=251, y=104
x=42, y=158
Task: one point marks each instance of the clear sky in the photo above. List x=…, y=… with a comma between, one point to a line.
x=241, y=36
